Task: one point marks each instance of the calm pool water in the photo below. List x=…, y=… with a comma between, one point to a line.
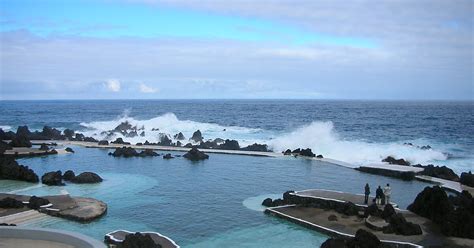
x=213, y=203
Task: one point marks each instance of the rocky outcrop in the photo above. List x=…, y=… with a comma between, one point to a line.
x=197, y=136
x=179, y=136
x=68, y=175
x=392, y=160
x=467, y=178
x=362, y=238
x=287, y=152
x=21, y=139
x=301, y=152
x=256, y=147
x=138, y=240
x=442, y=172
x=6, y=135
x=165, y=140
x=120, y=141
x=307, y=152
x=229, y=145
x=194, y=154
x=37, y=202
x=68, y=133
x=454, y=214
x=53, y=178
x=9, y=202
x=148, y=153
x=3, y=147
x=86, y=177
x=10, y=169
x=103, y=143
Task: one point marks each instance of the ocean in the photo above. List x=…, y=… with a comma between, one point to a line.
x=216, y=202
x=352, y=131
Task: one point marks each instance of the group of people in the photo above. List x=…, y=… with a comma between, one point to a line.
x=382, y=196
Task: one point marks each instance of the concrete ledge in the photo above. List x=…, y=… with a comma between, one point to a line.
x=45, y=234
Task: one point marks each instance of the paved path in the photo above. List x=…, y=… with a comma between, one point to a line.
x=334, y=195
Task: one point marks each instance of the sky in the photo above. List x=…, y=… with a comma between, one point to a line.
x=237, y=49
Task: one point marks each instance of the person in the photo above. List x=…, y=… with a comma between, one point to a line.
x=378, y=195
x=367, y=193
x=387, y=191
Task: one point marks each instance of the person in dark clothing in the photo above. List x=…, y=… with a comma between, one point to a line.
x=367, y=193
x=378, y=195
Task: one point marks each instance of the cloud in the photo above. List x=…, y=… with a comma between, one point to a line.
x=147, y=89
x=113, y=85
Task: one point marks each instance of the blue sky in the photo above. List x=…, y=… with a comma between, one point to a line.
x=238, y=49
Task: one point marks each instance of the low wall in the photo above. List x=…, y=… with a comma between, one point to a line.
x=65, y=237
x=404, y=175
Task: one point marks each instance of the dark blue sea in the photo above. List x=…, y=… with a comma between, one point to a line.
x=216, y=203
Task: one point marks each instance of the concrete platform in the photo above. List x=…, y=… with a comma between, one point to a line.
x=346, y=226
x=74, y=208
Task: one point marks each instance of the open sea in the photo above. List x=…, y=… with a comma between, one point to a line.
x=216, y=203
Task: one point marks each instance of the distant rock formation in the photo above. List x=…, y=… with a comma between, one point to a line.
x=197, y=136
x=229, y=145
x=103, y=143
x=10, y=169
x=165, y=140
x=256, y=147
x=120, y=141
x=392, y=160
x=53, y=178
x=194, y=154
x=179, y=136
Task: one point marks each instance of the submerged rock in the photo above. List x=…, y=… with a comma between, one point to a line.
x=69, y=149
x=195, y=154
x=392, y=160
x=10, y=169
x=53, y=178
x=87, y=177
x=168, y=156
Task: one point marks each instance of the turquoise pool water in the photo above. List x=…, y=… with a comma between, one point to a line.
x=213, y=203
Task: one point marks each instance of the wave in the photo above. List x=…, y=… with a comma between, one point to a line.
x=5, y=127
x=171, y=125
x=322, y=138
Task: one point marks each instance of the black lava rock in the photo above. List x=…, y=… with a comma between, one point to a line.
x=392, y=160
x=256, y=147
x=37, y=202
x=197, y=136
x=10, y=169
x=138, y=240
x=69, y=149
x=52, y=178
x=467, y=178
x=195, y=154
x=168, y=156
x=9, y=202
x=87, y=177
x=103, y=143
x=68, y=175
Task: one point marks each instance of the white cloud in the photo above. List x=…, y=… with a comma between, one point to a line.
x=147, y=89
x=113, y=85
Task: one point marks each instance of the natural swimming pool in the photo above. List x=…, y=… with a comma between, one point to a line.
x=210, y=203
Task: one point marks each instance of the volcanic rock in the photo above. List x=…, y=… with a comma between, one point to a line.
x=195, y=154
x=229, y=145
x=69, y=149
x=68, y=175
x=167, y=156
x=9, y=202
x=10, y=169
x=179, y=136
x=256, y=147
x=87, y=177
x=197, y=136
x=37, y=202
x=392, y=160
x=103, y=143
x=52, y=178
x=467, y=178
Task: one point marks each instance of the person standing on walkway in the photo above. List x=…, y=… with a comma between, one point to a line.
x=387, y=191
x=378, y=195
x=367, y=193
